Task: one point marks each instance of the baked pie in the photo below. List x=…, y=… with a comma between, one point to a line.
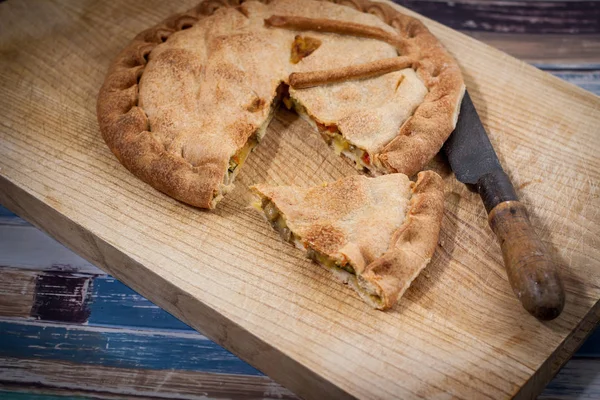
x=186, y=101
x=377, y=234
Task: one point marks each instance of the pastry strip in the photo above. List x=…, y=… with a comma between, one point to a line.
x=301, y=80
x=316, y=78
x=333, y=26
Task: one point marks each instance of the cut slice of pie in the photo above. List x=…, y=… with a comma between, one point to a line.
x=377, y=234
x=185, y=103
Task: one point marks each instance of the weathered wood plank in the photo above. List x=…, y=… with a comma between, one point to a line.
x=112, y=303
x=533, y=31
x=8, y=218
x=578, y=379
x=118, y=347
x=5, y=212
x=17, y=292
x=59, y=296
x=18, y=393
x=571, y=383
x=539, y=17
x=115, y=304
x=588, y=80
x=62, y=297
x=591, y=347
x=164, y=384
x=25, y=246
x=578, y=51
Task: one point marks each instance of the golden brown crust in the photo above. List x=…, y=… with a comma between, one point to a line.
x=423, y=135
x=412, y=246
x=192, y=176
x=125, y=127
x=386, y=228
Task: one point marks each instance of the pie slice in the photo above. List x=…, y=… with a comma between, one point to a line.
x=184, y=104
x=375, y=233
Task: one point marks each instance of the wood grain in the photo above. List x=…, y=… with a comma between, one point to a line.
x=579, y=379
x=537, y=16
x=43, y=253
x=17, y=290
x=540, y=32
x=18, y=393
x=580, y=51
x=113, y=346
x=531, y=271
x=62, y=297
x=588, y=80
x=459, y=331
x=92, y=381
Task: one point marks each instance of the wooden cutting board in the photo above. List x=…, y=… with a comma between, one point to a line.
x=458, y=332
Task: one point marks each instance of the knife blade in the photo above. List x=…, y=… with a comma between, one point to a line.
x=531, y=272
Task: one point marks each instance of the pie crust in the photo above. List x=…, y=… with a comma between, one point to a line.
x=375, y=233
x=176, y=117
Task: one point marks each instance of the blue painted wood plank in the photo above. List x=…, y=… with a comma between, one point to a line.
x=29, y=248
x=591, y=347
x=6, y=395
x=8, y=218
x=578, y=379
x=536, y=17
x=4, y=212
x=124, y=348
x=113, y=303
x=588, y=80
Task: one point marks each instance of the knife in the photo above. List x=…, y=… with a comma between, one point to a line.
x=531, y=271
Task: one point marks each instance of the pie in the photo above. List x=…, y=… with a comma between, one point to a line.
x=377, y=234
x=186, y=101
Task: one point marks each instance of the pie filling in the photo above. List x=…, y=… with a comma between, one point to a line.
x=238, y=159
x=330, y=133
x=302, y=47
x=236, y=162
x=334, y=138
x=344, y=270
x=328, y=262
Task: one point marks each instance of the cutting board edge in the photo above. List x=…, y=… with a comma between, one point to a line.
x=283, y=368
x=549, y=368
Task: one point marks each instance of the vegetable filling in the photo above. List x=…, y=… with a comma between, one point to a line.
x=334, y=138
x=238, y=159
x=236, y=162
x=340, y=145
x=302, y=47
x=328, y=262
x=278, y=222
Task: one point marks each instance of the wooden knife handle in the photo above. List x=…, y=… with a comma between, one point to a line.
x=531, y=271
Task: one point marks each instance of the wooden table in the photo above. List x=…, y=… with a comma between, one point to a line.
x=69, y=329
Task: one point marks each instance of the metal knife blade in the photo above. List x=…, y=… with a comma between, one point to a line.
x=531, y=271
x=474, y=160
x=468, y=149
